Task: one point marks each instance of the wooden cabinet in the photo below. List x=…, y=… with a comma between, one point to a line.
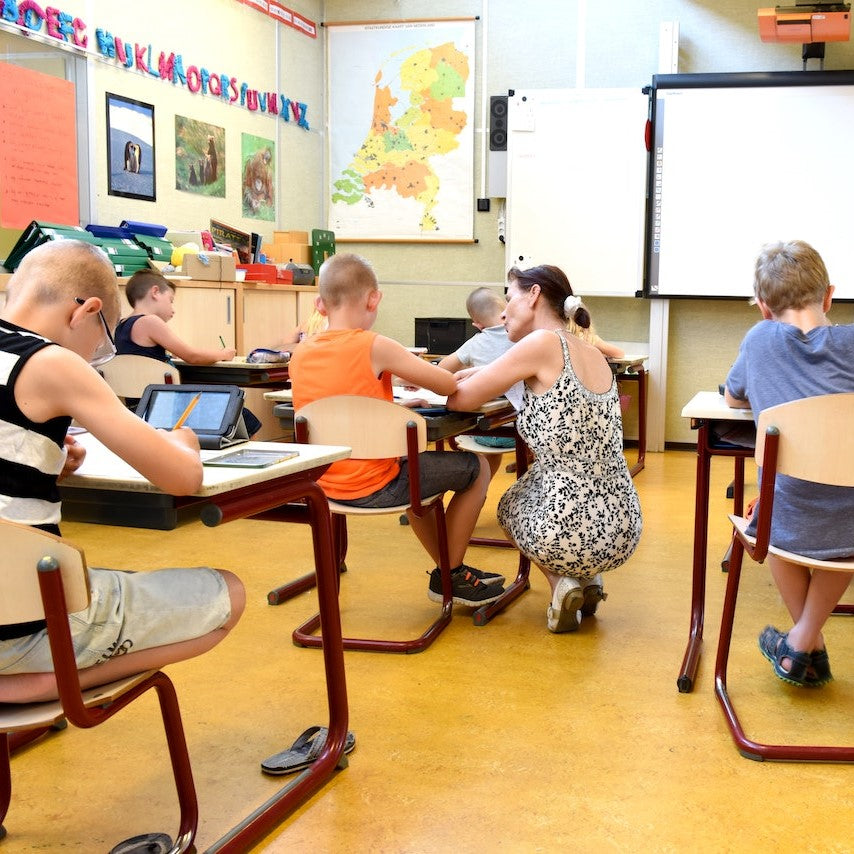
x=268, y=315
x=245, y=314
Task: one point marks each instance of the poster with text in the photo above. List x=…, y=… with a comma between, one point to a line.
x=401, y=113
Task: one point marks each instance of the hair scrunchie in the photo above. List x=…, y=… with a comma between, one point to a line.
x=570, y=305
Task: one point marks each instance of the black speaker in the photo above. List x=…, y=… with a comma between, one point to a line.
x=498, y=122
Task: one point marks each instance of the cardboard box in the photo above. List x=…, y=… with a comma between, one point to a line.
x=228, y=268
x=207, y=267
x=282, y=253
x=290, y=237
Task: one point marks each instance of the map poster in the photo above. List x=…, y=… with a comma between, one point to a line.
x=401, y=115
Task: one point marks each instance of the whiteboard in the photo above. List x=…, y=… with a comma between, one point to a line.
x=576, y=185
x=741, y=160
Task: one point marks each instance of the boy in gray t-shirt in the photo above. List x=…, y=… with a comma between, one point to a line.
x=795, y=352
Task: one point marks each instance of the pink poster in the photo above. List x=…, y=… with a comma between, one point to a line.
x=38, y=149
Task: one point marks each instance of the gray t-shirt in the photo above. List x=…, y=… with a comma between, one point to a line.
x=485, y=347
x=778, y=363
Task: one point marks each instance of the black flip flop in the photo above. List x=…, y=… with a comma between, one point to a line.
x=303, y=752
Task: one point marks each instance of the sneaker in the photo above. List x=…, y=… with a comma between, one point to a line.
x=593, y=595
x=564, y=613
x=485, y=577
x=479, y=574
x=466, y=589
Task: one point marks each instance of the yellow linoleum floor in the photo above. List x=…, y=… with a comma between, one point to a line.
x=497, y=738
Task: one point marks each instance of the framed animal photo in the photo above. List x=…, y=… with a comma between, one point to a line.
x=199, y=157
x=130, y=148
x=258, y=158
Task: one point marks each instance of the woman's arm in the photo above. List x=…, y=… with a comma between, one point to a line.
x=524, y=361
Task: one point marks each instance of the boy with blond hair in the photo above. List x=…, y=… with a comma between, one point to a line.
x=62, y=303
x=792, y=353
x=349, y=358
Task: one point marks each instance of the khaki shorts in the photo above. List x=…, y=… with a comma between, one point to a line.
x=130, y=611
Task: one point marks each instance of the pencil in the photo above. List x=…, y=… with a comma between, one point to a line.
x=186, y=413
x=222, y=341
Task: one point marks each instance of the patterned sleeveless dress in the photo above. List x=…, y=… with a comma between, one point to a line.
x=575, y=511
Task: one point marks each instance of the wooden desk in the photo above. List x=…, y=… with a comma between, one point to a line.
x=236, y=372
x=492, y=414
x=630, y=369
x=228, y=494
x=708, y=410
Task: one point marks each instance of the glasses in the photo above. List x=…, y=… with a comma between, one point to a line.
x=106, y=350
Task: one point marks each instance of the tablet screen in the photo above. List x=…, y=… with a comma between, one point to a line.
x=212, y=414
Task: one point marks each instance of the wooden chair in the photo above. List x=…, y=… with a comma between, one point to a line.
x=45, y=577
x=128, y=375
x=810, y=439
x=375, y=429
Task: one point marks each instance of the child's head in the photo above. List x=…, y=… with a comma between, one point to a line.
x=485, y=307
x=789, y=275
x=344, y=279
x=66, y=270
x=139, y=285
x=555, y=290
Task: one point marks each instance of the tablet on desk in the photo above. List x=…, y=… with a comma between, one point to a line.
x=251, y=458
x=217, y=419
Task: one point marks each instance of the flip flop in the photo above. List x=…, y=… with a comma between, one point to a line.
x=303, y=752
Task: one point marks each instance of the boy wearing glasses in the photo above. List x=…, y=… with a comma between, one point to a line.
x=62, y=302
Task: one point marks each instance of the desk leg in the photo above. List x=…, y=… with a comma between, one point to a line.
x=271, y=813
x=640, y=378
x=521, y=583
x=685, y=681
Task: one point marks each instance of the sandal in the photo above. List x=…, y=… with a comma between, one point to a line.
x=775, y=648
x=819, y=672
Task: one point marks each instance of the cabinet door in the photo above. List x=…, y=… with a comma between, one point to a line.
x=268, y=316
x=204, y=315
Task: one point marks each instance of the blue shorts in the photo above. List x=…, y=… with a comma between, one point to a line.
x=129, y=611
x=441, y=471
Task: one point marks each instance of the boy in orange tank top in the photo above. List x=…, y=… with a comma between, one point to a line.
x=348, y=358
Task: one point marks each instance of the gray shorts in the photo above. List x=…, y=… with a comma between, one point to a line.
x=130, y=611
x=441, y=471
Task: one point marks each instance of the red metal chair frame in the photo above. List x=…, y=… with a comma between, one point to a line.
x=78, y=709
x=758, y=549
x=304, y=634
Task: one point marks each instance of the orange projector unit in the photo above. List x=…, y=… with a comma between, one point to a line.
x=806, y=23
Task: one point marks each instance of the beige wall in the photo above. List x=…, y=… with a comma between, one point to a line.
x=539, y=43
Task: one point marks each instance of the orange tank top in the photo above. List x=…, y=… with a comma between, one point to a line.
x=339, y=362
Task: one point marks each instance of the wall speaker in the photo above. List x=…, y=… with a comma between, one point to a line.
x=498, y=122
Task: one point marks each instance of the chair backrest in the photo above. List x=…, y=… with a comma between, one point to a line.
x=23, y=548
x=128, y=375
x=816, y=438
x=374, y=429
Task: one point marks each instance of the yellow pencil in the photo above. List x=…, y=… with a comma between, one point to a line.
x=186, y=413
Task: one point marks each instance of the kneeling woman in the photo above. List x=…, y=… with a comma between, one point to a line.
x=575, y=513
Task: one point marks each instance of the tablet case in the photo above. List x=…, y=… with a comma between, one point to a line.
x=233, y=432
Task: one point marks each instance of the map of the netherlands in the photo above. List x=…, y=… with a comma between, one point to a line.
x=401, y=139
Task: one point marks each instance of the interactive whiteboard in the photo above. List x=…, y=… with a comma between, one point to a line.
x=740, y=160
x=576, y=185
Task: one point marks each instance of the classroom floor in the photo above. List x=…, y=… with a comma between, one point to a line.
x=497, y=738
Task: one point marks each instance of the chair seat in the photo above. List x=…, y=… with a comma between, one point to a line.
x=15, y=717
x=837, y=564
x=470, y=443
x=349, y=510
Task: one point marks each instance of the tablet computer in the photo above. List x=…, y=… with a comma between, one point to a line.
x=257, y=458
x=217, y=419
